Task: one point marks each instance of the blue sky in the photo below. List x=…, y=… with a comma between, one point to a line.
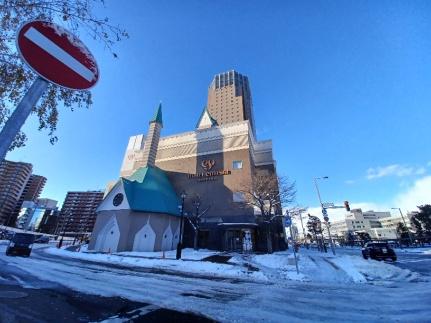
x=342, y=87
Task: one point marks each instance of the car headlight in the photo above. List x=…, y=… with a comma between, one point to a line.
x=12, y=244
x=30, y=246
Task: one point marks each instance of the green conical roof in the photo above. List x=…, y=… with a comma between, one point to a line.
x=149, y=190
x=158, y=116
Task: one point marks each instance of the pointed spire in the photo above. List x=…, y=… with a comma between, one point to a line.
x=158, y=116
x=205, y=120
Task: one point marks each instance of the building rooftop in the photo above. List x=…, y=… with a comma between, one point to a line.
x=150, y=190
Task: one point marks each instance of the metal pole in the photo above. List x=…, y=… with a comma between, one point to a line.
x=402, y=217
x=20, y=114
x=303, y=230
x=330, y=239
x=179, y=245
x=293, y=247
x=318, y=192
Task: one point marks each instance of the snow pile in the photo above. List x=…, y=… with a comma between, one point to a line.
x=277, y=267
x=371, y=270
x=318, y=267
x=186, y=266
x=188, y=254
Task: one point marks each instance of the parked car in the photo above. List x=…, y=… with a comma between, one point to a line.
x=41, y=239
x=6, y=235
x=20, y=244
x=378, y=251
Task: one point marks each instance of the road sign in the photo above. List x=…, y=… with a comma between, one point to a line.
x=327, y=205
x=287, y=221
x=57, y=55
x=324, y=212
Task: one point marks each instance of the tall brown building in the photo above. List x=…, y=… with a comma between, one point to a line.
x=229, y=99
x=78, y=213
x=31, y=192
x=213, y=165
x=13, y=179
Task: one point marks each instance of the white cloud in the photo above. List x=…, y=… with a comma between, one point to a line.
x=350, y=181
x=419, y=193
x=395, y=170
x=390, y=170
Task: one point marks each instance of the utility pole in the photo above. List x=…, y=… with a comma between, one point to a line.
x=180, y=240
x=325, y=213
x=405, y=224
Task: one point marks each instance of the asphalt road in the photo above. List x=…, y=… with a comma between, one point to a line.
x=419, y=263
x=26, y=298
x=416, y=262
x=48, y=288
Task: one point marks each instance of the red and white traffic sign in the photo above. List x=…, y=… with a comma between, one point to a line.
x=57, y=55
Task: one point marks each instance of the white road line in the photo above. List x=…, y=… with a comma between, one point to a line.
x=53, y=49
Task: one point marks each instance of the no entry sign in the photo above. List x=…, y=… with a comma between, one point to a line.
x=57, y=55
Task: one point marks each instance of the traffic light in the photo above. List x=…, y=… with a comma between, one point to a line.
x=346, y=205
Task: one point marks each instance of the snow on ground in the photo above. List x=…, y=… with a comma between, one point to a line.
x=425, y=251
x=239, y=301
x=188, y=253
x=276, y=267
x=154, y=261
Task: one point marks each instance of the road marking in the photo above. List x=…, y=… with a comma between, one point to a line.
x=54, y=50
x=132, y=314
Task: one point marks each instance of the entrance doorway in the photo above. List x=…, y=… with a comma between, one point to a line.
x=234, y=240
x=239, y=240
x=203, y=238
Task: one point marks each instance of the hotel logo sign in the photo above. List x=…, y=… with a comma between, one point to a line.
x=208, y=164
x=209, y=174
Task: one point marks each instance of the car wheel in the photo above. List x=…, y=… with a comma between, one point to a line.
x=394, y=259
x=365, y=256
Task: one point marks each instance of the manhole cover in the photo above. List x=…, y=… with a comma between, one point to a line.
x=12, y=294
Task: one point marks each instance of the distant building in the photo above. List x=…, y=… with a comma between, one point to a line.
x=34, y=216
x=358, y=221
x=78, y=213
x=13, y=179
x=31, y=192
x=379, y=225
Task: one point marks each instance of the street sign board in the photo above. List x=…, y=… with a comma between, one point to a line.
x=327, y=205
x=287, y=221
x=324, y=212
x=57, y=55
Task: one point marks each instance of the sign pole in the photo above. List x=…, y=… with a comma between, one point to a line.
x=21, y=113
x=294, y=251
x=288, y=222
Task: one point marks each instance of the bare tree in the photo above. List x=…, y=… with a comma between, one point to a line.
x=195, y=219
x=269, y=193
x=16, y=78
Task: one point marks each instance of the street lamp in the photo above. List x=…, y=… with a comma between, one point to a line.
x=181, y=207
x=402, y=217
x=196, y=204
x=323, y=209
